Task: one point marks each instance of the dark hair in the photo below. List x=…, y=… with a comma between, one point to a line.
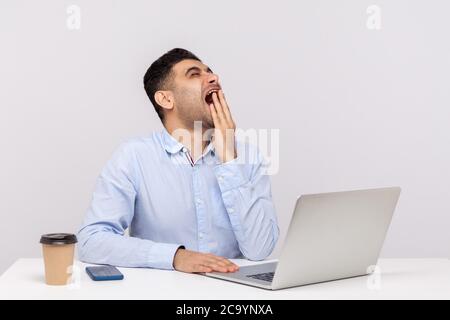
x=157, y=75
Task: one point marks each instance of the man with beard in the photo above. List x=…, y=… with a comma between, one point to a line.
x=191, y=196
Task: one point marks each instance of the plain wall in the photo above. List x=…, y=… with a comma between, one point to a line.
x=356, y=107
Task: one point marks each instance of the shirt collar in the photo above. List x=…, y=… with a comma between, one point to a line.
x=170, y=143
x=173, y=146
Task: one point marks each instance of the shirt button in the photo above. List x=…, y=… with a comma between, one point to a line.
x=200, y=235
x=184, y=149
x=199, y=201
x=230, y=210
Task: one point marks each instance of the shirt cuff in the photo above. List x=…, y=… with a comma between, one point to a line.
x=230, y=175
x=164, y=253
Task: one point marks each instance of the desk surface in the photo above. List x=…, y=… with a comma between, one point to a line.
x=399, y=279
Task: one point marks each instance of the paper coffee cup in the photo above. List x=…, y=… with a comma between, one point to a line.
x=58, y=251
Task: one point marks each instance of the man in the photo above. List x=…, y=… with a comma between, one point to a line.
x=191, y=201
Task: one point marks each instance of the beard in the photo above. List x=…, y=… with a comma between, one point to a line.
x=191, y=108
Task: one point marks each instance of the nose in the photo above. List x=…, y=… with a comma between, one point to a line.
x=213, y=78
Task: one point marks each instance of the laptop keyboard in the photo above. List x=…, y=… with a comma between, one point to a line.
x=268, y=276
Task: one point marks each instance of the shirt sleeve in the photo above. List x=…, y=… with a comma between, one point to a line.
x=101, y=238
x=247, y=197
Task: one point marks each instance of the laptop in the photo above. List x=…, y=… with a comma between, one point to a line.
x=331, y=236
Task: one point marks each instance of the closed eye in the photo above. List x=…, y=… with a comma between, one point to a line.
x=195, y=71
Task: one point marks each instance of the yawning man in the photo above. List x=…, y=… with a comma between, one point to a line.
x=192, y=196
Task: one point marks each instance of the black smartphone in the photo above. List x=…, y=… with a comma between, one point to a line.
x=104, y=273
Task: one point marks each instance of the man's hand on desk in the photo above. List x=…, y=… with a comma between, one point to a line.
x=191, y=261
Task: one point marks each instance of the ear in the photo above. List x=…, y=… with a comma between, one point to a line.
x=165, y=99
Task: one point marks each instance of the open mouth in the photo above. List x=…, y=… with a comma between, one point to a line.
x=208, y=97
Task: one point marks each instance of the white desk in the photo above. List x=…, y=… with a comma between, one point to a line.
x=400, y=279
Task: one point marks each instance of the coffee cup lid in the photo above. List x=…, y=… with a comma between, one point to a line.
x=58, y=238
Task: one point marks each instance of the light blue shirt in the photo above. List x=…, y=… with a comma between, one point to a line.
x=151, y=186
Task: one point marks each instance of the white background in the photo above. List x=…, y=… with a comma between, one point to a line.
x=356, y=108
